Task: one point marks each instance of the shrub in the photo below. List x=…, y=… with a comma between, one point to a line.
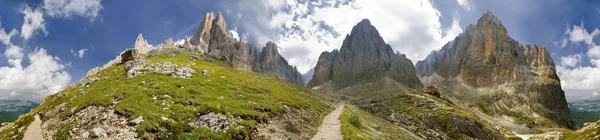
x=355, y=121
x=291, y=127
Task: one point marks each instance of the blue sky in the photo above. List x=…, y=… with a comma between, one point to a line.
x=63, y=39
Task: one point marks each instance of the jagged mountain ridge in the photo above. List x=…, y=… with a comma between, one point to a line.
x=364, y=57
x=212, y=34
x=522, y=79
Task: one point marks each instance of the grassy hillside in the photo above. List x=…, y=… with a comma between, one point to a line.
x=169, y=105
x=360, y=125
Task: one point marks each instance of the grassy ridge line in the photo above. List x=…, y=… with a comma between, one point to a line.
x=253, y=97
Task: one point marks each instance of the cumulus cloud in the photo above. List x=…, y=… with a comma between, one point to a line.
x=33, y=22
x=305, y=29
x=571, y=60
x=68, y=8
x=579, y=80
x=578, y=34
x=465, y=4
x=5, y=37
x=44, y=75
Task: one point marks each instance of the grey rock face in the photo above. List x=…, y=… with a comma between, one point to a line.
x=270, y=62
x=363, y=58
x=485, y=56
x=219, y=43
x=141, y=45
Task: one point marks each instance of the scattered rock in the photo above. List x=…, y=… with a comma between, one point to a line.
x=128, y=55
x=215, y=122
x=431, y=90
x=98, y=133
x=204, y=72
x=88, y=81
x=137, y=120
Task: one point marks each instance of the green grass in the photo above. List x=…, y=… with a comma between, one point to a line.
x=253, y=97
x=360, y=125
x=587, y=134
x=13, y=133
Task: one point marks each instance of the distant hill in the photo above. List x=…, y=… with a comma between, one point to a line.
x=585, y=111
x=10, y=110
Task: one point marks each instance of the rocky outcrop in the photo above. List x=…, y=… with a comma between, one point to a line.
x=270, y=62
x=219, y=43
x=141, y=45
x=364, y=58
x=484, y=56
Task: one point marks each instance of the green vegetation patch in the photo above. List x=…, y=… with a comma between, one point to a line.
x=18, y=129
x=237, y=93
x=360, y=125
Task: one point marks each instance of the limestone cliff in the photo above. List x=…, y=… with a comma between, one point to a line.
x=522, y=78
x=364, y=58
x=213, y=34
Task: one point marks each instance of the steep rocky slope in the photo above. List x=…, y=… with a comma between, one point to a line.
x=367, y=73
x=213, y=37
x=363, y=58
x=484, y=67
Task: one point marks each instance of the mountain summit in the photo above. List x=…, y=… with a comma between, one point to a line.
x=485, y=67
x=363, y=58
x=213, y=37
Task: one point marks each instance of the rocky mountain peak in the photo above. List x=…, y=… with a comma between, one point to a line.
x=202, y=35
x=486, y=57
x=220, y=23
x=213, y=34
x=363, y=58
x=141, y=45
x=270, y=51
x=365, y=31
x=491, y=25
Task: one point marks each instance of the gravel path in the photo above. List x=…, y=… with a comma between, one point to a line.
x=34, y=131
x=330, y=128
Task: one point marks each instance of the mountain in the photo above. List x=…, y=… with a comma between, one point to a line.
x=212, y=35
x=363, y=58
x=308, y=75
x=585, y=111
x=367, y=73
x=484, y=67
x=183, y=91
x=10, y=110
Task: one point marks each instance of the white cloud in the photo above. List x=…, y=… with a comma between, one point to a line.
x=275, y=4
x=43, y=76
x=596, y=93
x=235, y=34
x=33, y=22
x=571, y=60
x=304, y=30
x=577, y=80
x=5, y=37
x=578, y=34
x=466, y=4
x=68, y=8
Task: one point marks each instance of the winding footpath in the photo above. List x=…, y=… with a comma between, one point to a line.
x=330, y=128
x=34, y=131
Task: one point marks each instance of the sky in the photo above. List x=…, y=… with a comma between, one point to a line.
x=46, y=45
